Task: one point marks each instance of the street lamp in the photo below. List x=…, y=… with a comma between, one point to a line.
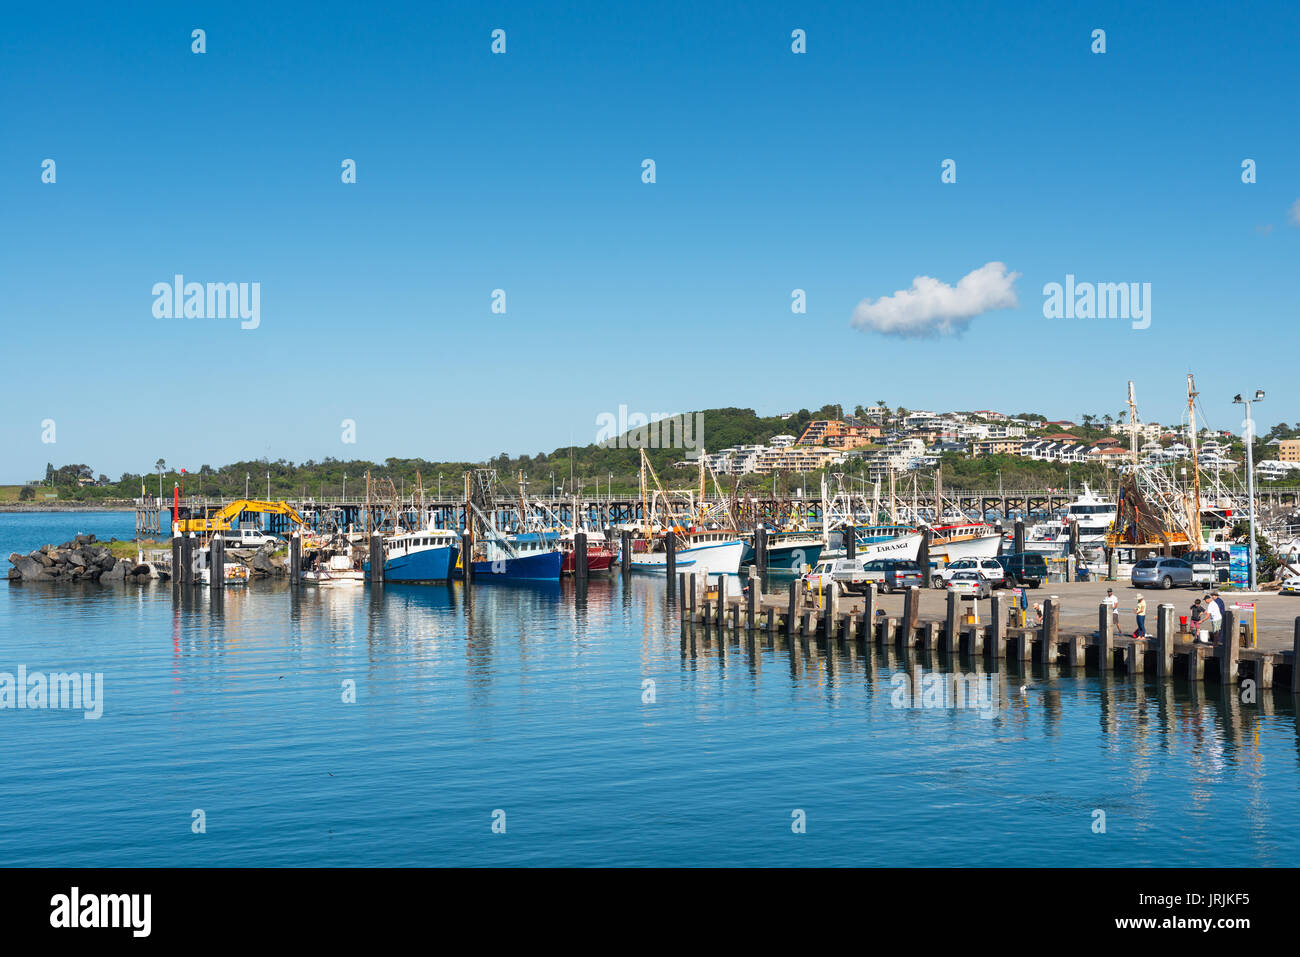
x=268, y=485
x=1248, y=434
x=345, y=486
x=247, y=476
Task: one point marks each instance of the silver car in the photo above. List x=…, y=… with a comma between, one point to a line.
x=1163, y=572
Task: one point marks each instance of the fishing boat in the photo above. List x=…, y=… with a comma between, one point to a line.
x=420, y=557
x=949, y=543
x=520, y=558
x=332, y=569
x=792, y=551
x=702, y=551
x=600, y=555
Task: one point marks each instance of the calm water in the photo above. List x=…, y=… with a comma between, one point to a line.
x=528, y=702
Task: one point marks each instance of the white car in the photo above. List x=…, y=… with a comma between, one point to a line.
x=1291, y=586
x=989, y=569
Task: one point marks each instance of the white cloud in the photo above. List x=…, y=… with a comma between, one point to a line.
x=1293, y=213
x=932, y=308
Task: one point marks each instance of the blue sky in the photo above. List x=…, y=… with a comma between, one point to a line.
x=522, y=172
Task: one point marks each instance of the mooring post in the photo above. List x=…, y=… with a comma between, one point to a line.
x=751, y=599
x=176, y=557
x=923, y=556
x=850, y=542
x=869, y=612
x=998, y=628
x=1165, y=639
x=760, y=548
x=295, y=557
x=1295, y=659
x=1019, y=536
x=625, y=551
x=1105, y=638
x=911, y=614
x=793, y=609
x=722, y=600
x=686, y=604
x=831, y=618
x=217, y=562
x=377, y=557
x=1072, y=558
x=466, y=554
x=670, y=551
x=580, y=559
x=1051, y=630
x=187, y=559
x=692, y=586
x=951, y=629
x=1229, y=635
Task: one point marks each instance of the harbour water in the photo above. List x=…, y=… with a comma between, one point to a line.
x=529, y=702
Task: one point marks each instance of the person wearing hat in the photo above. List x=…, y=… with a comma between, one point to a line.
x=1112, y=600
x=1215, y=615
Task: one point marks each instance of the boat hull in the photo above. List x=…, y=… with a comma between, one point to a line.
x=542, y=566
x=721, y=558
x=424, y=566
x=981, y=546
x=598, y=560
x=793, y=558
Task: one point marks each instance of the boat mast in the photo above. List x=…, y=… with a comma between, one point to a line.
x=1132, y=424
x=1194, y=505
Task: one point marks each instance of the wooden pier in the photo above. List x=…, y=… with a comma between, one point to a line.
x=833, y=617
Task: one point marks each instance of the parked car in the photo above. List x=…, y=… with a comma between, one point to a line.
x=846, y=572
x=1027, y=568
x=1165, y=572
x=893, y=573
x=970, y=584
x=1219, y=560
x=988, y=568
x=1291, y=586
x=250, y=538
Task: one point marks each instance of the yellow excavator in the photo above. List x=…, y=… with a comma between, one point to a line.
x=219, y=521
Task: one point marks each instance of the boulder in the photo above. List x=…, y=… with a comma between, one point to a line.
x=261, y=560
x=78, y=558
x=44, y=558
x=116, y=572
x=28, y=568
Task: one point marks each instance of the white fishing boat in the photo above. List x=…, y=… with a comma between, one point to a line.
x=950, y=543
x=334, y=570
x=707, y=551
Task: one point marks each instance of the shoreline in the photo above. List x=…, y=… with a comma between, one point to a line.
x=67, y=507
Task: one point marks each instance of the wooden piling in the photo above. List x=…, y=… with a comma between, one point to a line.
x=751, y=601
x=1051, y=634
x=217, y=562
x=1295, y=659
x=625, y=551
x=466, y=550
x=911, y=613
x=176, y=557
x=923, y=556
x=1019, y=536
x=796, y=599
x=187, y=560
x=720, y=615
x=950, y=628
x=760, y=548
x=580, y=565
x=1228, y=653
x=377, y=558
x=831, y=618
x=295, y=558
x=670, y=550
x=850, y=542
x=1105, y=637
x=869, y=611
x=1165, y=638
x=998, y=630
x=693, y=593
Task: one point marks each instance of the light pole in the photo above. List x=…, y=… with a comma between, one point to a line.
x=268, y=485
x=345, y=486
x=1248, y=434
x=247, y=476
